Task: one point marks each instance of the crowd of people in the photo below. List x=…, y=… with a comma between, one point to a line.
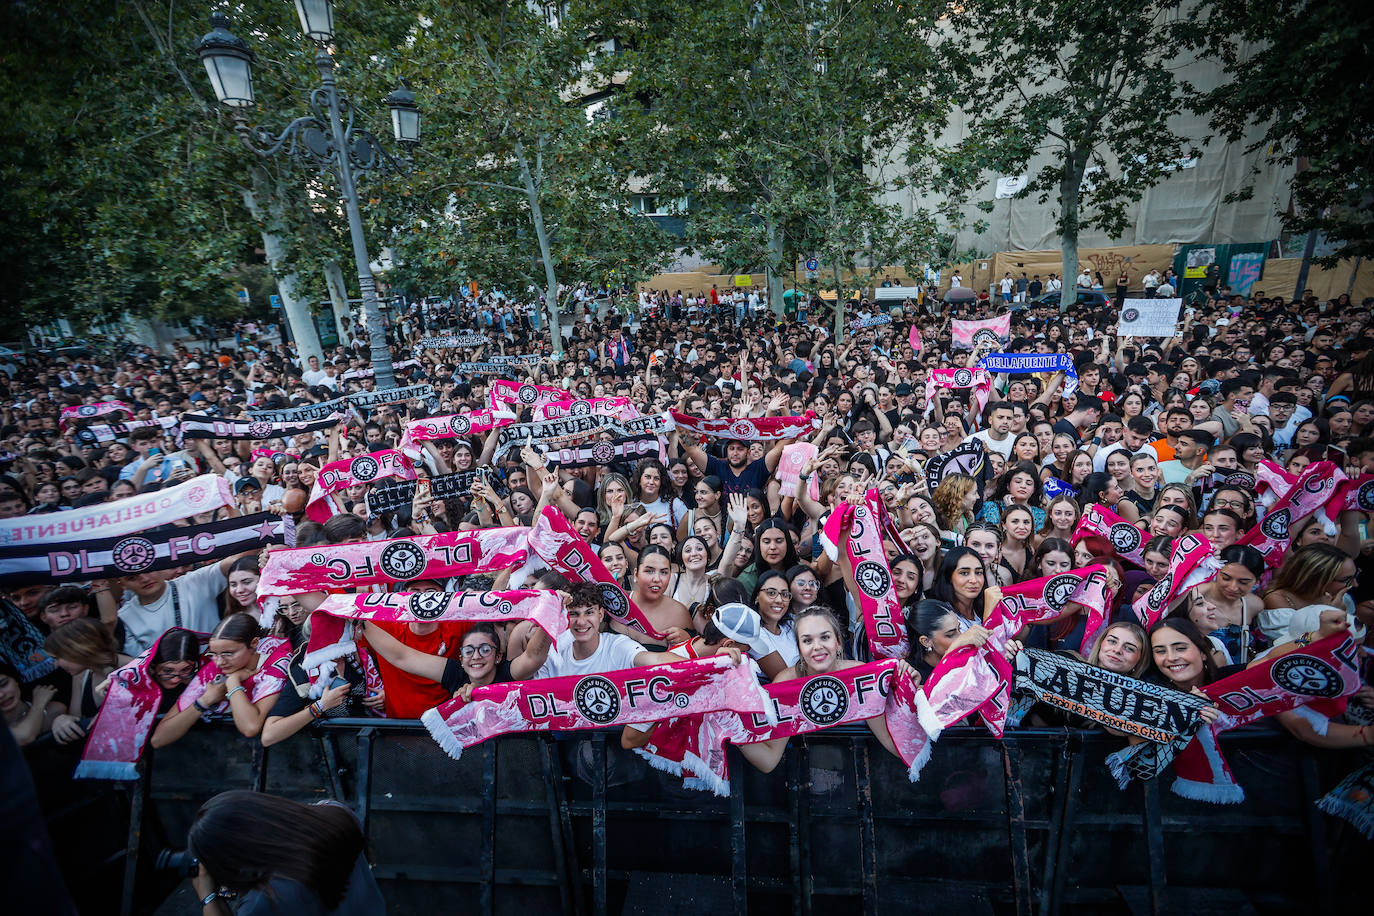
x=721, y=547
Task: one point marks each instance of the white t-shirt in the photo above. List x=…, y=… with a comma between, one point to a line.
x=1007, y=284
x=784, y=643
x=313, y=377
x=1002, y=448
x=675, y=512
x=197, y=594
x=614, y=653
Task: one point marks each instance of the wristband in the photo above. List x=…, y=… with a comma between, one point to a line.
x=230, y=694
x=201, y=707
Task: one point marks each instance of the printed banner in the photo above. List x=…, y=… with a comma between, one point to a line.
x=1149, y=318
x=1188, y=566
x=504, y=391
x=91, y=411
x=147, y=551
x=204, y=426
x=1056, y=487
x=577, y=429
x=451, y=426
x=558, y=544
x=872, y=322
x=1126, y=539
x=205, y=493
x=488, y=367
x=303, y=414
x=352, y=375
x=968, y=458
x=1244, y=272
x=434, y=556
x=984, y=334
x=1150, y=711
x=633, y=695
x=91, y=435
x=794, y=459
x=545, y=608
x=749, y=429
x=599, y=453
x=450, y=342
x=344, y=473
x=366, y=400
x=1318, y=484
x=1017, y=363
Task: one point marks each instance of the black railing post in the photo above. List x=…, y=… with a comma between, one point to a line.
x=803, y=799
x=486, y=902
x=365, y=738
x=868, y=847
x=599, y=823
x=1016, y=826
x=560, y=828
x=138, y=799
x=1068, y=775
x=1316, y=828
x=1154, y=848
x=739, y=860
x=792, y=781
x=258, y=765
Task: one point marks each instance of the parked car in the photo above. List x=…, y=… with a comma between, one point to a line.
x=1091, y=298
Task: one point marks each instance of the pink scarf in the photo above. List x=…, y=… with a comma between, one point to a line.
x=1323, y=672
x=89, y=411
x=1188, y=566
x=205, y=493
x=1044, y=600
x=616, y=408
x=504, y=391
x=558, y=544
x=1318, y=485
x=124, y=721
x=433, y=556
x=858, y=528
x=344, y=473
x=977, y=379
x=631, y=695
x=992, y=332
x=274, y=660
x=749, y=429
x=451, y=426
x=1126, y=539
x=914, y=338
x=790, y=465
x=1358, y=495
x=695, y=745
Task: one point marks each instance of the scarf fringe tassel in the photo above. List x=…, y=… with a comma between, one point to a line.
x=1359, y=817
x=439, y=731
x=119, y=770
x=1217, y=794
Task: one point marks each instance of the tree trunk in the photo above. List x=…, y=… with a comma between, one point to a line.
x=297, y=311
x=541, y=233
x=775, y=257
x=338, y=296
x=1074, y=165
x=832, y=202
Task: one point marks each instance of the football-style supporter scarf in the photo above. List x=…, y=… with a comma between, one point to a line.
x=355, y=374
x=89, y=435
x=344, y=473
x=451, y=426
x=558, y=544
x=1126, y=539
x=1019, y=363
x=873, y=322
x=695, y=745
x=973, y=679
x=884, y=619
x=1056, y=487
x=749, y=429
x=303, y=414
x=519, y=359
x=599, y=453
x=989, y=332
x=148, y=551
x=21, y=644
x=204, y=426
x=1354, y=496
x=1150, y=711
x=1318, y=485
x=432, y=556
x=1188, y=566
x=632, y=695
x=392, y=496
x=504, y=391
x=205, y=493
x=90, y=411
x=366, y=400
x=1326, y=670
x=977, y=379
x=616, y=407
x=122, y=724
x=487, y=367
x=577, y=429
x=449, y=342
x=545, y=608
x=1353, y=800
x=1044, y=600
x=274, y=663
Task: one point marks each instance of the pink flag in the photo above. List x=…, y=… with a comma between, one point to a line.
x=90, y=411
x=344, y=473
x=987, y=333
x=792, y=463
x=915, y=337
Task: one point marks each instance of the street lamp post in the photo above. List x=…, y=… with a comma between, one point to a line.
x=326, y=138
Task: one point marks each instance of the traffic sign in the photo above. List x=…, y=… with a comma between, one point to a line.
x=812, y=265
x=275, y=301
x=243, y=296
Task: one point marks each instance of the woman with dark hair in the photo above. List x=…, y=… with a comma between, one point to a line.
x=653, y=488
x=86, y=650
x=1231, y=595
x=692, y=558
x=242, y=594
x=1101, y=487
x=908, y=578
x=707, y=493
x=1054, y=555
x=961, y=582
x=773, y=549
x=26, y=719
x=935, y=629
x=280, y=856
x=652, y=575
x=1181, y=657
x=1019, y=485
x=1251, y=449
x=772, y=598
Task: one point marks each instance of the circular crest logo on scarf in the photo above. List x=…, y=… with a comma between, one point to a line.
x=580, y=409
x=963, y=378
x=1059, y=590
x=402, y=560
x=364, y=468
x=85, y=436
x=133, y=554
x=1364, y=497
x=87, y=410
x=1311, y=677
x=428, y=605
x=603, y=452
x=741, y=429
x=824, y=700
x=527, y=394
x=1125, y=537
x=460, y=426
x=1275, y=525
x=872, y=579
x=613, y=601
x=1160, y=593
x=260, y=429
x=1129, y=315
x=597, y=699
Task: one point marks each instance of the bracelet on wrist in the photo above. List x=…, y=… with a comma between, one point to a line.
x=200, y=707
x=238, y=689
x=209, y=898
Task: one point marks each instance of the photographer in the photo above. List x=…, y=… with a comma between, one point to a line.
x=280, y=857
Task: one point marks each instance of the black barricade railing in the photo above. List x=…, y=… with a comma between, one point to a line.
x=572, y=823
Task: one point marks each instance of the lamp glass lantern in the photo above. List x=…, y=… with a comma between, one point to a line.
x=228, y=62
x=317, y=19
x=405, y=115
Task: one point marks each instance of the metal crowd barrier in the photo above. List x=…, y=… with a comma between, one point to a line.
x=572, y=823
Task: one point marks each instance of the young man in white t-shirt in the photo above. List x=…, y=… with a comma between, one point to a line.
x=152, y=604
x=997, y=437
x=584, y=649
